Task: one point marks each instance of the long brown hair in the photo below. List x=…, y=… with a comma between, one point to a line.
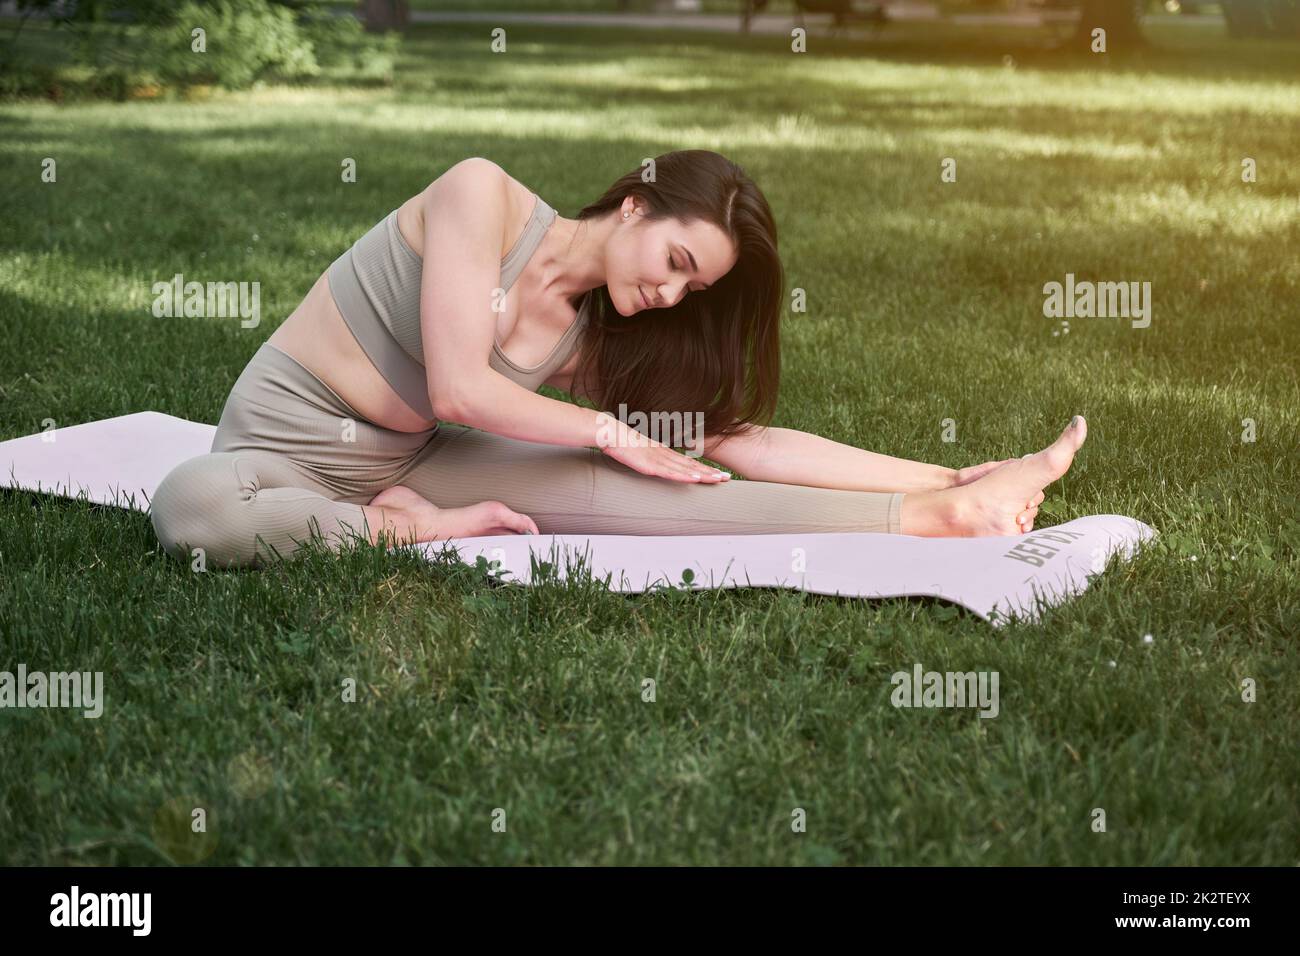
x=718, y=350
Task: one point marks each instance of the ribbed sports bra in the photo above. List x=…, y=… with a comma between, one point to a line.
x=376, y=286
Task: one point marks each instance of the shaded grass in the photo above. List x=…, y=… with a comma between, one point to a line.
x=925, y=303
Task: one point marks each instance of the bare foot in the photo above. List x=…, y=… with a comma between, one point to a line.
x=1003, y=502
x=411, y=518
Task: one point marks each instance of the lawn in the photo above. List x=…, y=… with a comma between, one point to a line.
x=925, y=303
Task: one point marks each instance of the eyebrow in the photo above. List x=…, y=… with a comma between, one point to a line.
x=694, y=267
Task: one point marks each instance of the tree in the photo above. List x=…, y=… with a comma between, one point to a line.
x=380, y=15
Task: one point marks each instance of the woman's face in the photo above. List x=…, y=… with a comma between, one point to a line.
x=653, y=265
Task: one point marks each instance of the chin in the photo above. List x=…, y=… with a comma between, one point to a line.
x=636, y=299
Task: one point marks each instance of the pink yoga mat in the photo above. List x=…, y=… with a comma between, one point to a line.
x=120, y=461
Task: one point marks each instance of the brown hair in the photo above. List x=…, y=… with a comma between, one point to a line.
x=718, y=350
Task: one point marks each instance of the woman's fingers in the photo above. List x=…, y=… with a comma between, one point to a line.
x=975, y=472
x=690, y=470
x=661, y=461
x=697, y=476
x=671, y=466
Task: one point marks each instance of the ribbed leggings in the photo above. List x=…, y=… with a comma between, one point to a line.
x=291, y=460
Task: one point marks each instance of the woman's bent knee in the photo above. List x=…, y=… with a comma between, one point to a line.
x=195, y=513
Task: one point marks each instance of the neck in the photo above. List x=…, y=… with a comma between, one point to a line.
x=572, y=256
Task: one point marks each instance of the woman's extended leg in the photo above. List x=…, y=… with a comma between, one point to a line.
x=233, y=504
x=580, y=491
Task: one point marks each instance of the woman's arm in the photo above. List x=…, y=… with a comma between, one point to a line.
x=798, y=458
x=464, y=221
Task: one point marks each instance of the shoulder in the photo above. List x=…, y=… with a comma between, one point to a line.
x=474, y=165
x=476, y=177
x=488, y=179
x=487, y=182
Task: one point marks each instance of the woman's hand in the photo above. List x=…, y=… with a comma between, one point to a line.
x=650, y=457
x=975, y=472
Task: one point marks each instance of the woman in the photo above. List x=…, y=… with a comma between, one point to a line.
x=661, y=296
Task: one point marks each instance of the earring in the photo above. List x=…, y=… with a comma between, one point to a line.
x=624, y=215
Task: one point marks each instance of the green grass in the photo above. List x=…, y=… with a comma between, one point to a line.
x=223, y=689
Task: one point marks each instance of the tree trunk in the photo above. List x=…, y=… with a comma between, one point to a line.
x=1119, y=18
x=380, y=15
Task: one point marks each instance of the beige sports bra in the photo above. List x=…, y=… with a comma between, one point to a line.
x=376, y=285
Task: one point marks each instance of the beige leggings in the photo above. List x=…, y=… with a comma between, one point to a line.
x=291, y=459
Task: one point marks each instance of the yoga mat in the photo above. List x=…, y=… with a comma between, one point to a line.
x=120, y=461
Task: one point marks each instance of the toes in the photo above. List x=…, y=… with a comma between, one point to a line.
x=1054, y=460
x=1075, y=432
x=505, y=518
x=1025, y=520
x=1081, y=428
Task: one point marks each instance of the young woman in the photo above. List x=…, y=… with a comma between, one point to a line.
x=662, y=296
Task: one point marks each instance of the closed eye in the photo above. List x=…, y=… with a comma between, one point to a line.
x=672, y=265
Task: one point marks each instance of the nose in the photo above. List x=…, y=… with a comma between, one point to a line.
x=669, y=301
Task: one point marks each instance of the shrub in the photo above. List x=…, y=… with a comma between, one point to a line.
x=341, y=43
x=113, y=47
x=246, y=40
